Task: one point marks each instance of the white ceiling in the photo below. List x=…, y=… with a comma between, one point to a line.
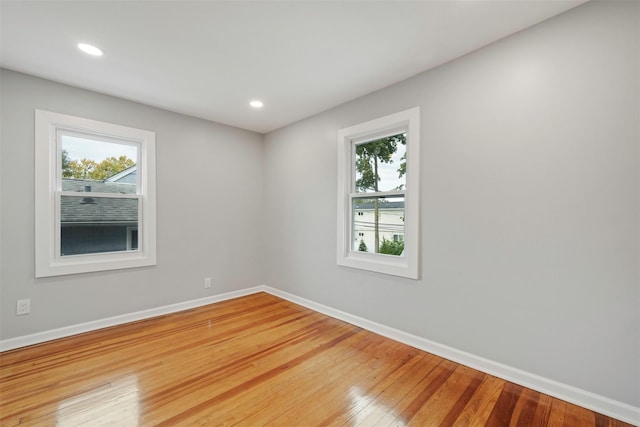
x=209, y=58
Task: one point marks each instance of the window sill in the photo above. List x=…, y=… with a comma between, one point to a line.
x=380, y=263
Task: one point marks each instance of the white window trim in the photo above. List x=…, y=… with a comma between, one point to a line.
x=406, y=265
x=47, y=228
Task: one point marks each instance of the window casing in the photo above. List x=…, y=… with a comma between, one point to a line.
x=89, y=218
x=378, y=213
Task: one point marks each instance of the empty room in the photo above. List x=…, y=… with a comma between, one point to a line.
x=303, y=213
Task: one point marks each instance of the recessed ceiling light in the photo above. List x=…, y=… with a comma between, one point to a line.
x=91, y=50
x=256, y=104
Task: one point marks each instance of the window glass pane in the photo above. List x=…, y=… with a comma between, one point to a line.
x=378, y=225
x=132, y=241
x=91, y=224
x=380, y=165
x=98, y=166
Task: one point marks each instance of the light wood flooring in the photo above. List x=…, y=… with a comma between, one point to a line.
x=253, y=361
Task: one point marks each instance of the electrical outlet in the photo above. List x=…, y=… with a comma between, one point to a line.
x=207, y=282
x=23, y=306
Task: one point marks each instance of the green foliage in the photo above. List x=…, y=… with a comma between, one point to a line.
x=112, y=166
x=363, y=246
x=81, y=169
x=403, y=166
x=89, y=169
x=390, y=247
x=369, y=155
x=65, y=161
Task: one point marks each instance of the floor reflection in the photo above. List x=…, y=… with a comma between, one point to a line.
x=369, y=411
x=115, y=403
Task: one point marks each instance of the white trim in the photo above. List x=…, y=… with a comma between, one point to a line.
x=403, y=266
x=48, y=190
x=67, y=331
x=604, y=405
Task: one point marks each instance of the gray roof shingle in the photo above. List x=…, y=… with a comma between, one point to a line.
x=90, y=208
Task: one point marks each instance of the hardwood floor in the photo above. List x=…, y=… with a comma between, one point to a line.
x=253, y=361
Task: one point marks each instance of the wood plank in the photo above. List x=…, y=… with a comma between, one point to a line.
x=478, y=410
x=556, y=415
x=502, y=413
x=525, y=408
x=259, y=360
x=440, y=406
x=368, y=406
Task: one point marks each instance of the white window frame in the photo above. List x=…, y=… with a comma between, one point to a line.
x=407, y=264
x=48, y=191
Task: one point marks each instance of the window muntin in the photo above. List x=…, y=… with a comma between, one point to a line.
x=95, y=195
x=392, y=184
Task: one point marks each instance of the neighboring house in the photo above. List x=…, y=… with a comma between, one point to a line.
x=390, y=223
x=127, y=176
x=95, y=224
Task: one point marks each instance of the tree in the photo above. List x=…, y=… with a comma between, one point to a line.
x=368, y=158
x=391, y=247
x=111, y=166
x=370, y=154
x=403, y=166
x=90, y=169
x=363, y=246
x=66, y=172
x=81, y=169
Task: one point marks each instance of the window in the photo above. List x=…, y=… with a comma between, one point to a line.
x=378, y=206
x=95, y=195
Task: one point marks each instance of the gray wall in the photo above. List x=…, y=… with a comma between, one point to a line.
x=209, y=180
x=530, y=194
x=530, y=206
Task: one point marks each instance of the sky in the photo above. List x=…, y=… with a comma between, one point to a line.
x=388, y=172
x=81, y=148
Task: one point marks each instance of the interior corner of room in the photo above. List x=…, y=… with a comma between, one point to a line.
x=529, y=215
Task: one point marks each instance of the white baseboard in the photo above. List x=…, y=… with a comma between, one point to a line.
x=612, y=408
x=597, y=403
x=40, y=337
